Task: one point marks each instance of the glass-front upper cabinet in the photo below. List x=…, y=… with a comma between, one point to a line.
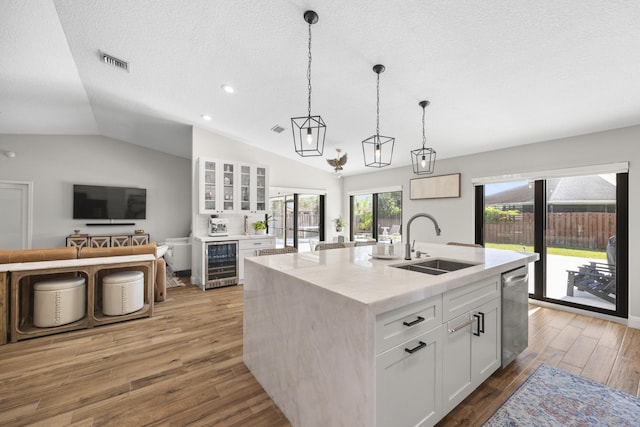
x=217, y=191
x=208, y=193
x=229, y=183
x=232, y=187
x=254, y=187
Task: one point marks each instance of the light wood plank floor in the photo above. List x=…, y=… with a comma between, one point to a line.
x=184, y=367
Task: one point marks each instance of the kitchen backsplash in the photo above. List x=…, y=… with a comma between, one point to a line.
x=236, y=223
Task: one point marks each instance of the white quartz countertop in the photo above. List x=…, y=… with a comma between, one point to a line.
x=233, y=237
x=353, y=273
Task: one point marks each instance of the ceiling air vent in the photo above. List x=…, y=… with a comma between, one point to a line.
x=112, y=60
x=277, y=129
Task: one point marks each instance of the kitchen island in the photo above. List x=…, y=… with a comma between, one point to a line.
x=339, y=338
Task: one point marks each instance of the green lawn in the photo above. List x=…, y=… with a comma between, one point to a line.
x=552, y=251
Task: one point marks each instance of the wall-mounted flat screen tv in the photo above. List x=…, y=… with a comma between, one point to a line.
x=101, y=202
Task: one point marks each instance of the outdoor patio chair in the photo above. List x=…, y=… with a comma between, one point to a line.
x=595, y=278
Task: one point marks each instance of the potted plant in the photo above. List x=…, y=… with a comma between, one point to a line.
x=260, y=227
x=340, y=224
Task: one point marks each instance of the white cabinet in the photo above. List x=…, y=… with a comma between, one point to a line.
x=471, y=339
x=486, y=353
x=254, y=188
x=250, y=247
x=232, y=187
x=409, y=365
x=432, y=354
x=217, y=186
x=409, y=382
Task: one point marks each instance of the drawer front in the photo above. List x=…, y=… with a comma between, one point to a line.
x=402, y=324
x=256, y=243
x=466, y=298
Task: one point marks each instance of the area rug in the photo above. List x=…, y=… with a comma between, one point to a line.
x=173, y=281
x=553, y=397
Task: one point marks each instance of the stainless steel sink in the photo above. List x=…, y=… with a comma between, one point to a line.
x=435, y=266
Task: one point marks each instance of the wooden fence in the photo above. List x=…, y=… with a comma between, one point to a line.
x=579, y=230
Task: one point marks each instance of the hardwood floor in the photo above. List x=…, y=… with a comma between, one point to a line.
x=181, y=367
x=184, y=367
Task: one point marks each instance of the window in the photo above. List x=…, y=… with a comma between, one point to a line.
x=376, y=216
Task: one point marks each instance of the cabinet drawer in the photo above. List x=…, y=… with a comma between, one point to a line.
x=402, y=324
x=466, y=298
x=256, y=243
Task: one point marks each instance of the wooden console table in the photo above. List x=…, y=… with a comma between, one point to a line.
x=106, y=240
x=92, y=269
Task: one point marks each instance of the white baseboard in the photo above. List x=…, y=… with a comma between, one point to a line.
x=633, y=322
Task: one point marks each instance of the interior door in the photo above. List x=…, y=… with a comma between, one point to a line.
x=15, y=211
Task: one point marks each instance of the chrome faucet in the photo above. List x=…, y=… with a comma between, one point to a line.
x=407, y=251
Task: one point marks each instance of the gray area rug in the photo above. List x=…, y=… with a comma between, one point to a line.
x=553, y=397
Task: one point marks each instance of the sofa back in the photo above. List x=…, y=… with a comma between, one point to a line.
x=149, y=248
x=33, y=255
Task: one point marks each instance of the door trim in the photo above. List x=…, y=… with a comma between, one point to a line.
x=27, y=234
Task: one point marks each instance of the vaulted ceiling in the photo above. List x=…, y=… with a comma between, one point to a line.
x=497, y=73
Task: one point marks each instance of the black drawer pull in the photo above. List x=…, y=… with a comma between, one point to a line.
x=480, y=329
x=415, y=322
x=416, y=348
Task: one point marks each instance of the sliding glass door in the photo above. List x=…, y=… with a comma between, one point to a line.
x=297, y=220
x=376, y=216
x=578, y=225
x=509, y=218
x=362, y=217
x=309, y=224
x=580, y=239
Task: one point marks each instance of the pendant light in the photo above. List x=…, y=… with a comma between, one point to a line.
x=309, y=131
x=423, y=159
x=378, y=149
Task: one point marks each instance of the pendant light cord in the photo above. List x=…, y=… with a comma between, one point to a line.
x=378, y=106
x=424, y=138
x=309, y=71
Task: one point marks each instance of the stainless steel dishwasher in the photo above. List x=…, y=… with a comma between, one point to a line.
x=515, y=316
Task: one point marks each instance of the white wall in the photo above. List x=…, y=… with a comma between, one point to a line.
x=55, y=163
x=456, y=217
x=283, y=172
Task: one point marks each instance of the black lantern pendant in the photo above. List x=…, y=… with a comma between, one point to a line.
x=423, y=159
x=378, y=149
x=309, y=131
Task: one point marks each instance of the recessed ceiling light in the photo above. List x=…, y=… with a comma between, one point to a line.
x=228, y=88
x=205, y=117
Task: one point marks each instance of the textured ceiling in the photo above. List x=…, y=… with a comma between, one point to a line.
x=497, y=73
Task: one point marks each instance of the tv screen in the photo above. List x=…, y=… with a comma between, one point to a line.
x=101, y=202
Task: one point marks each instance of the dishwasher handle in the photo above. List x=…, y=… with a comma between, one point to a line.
x=515, y=277
x=509, y=281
